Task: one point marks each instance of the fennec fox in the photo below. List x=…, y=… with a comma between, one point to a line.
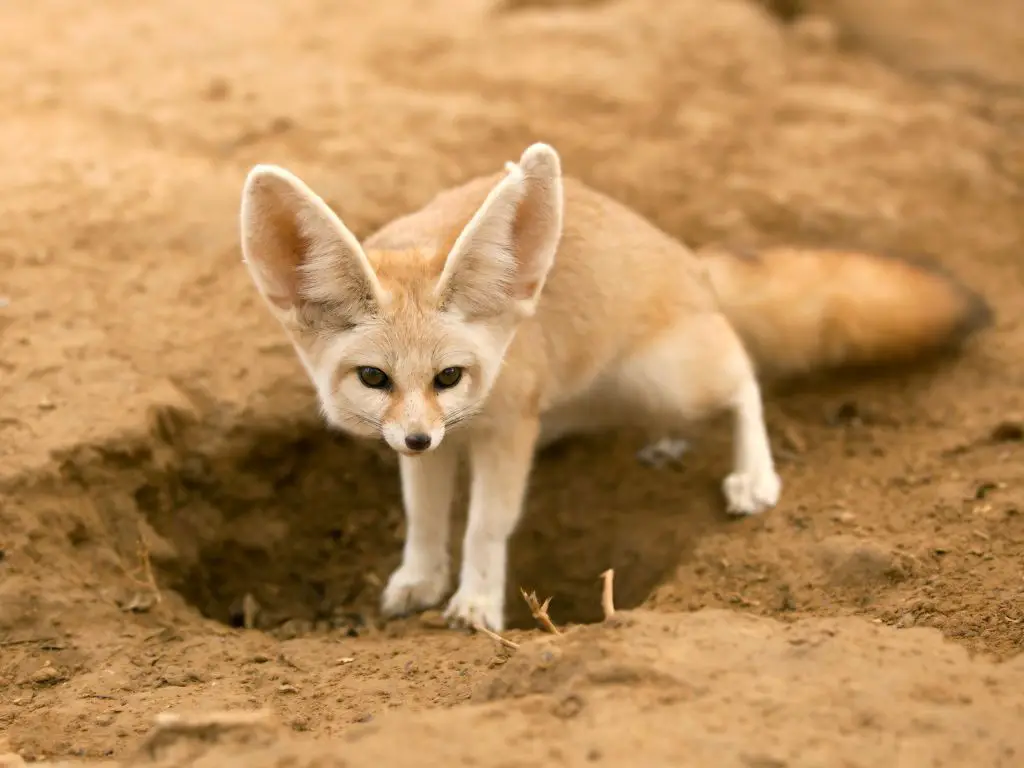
x=523, y=306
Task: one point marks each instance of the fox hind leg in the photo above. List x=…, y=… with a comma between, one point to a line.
x=699, y=368
x=753, y=485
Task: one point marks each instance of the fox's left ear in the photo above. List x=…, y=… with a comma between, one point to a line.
x=501, y=259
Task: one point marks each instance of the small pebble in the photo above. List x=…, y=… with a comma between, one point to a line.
x=792, y=441
x=660, y=453
x=433, y=620
x=46, y=675
x=179, y=677
x=568, y=707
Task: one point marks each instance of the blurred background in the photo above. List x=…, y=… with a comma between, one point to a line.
x=130, y=126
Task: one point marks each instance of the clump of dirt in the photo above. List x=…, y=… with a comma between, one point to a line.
x=179, y=532
x=848, y=561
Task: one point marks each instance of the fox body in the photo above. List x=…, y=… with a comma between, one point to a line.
x=524, y=306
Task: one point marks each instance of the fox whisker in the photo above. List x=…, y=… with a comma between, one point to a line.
x=460, y=415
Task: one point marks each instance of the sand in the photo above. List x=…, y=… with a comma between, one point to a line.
x=165, y=480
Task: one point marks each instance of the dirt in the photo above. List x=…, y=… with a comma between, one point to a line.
x=181, y=537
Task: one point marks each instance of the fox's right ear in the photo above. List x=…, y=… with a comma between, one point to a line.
x=297, y=250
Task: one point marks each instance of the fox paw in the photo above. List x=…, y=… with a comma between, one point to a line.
x=750, y=493
x=468, y=609
x=412, y=589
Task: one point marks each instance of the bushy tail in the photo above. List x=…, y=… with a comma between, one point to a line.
x=805, y=310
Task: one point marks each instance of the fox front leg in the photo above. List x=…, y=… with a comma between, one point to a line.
x=500, y=462
x=428, y=486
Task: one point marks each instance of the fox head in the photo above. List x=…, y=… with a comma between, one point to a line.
x=403, y=344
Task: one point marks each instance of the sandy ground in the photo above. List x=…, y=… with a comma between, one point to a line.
x=152, y=413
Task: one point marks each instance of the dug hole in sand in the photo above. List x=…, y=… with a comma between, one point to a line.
x=166, y=482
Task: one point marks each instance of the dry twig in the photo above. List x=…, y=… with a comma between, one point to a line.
x=250, y=609
x=495, y=637
x=146, y=583
x=608, y=593
x=25, y=641
x=540, y=611
x=147, y=570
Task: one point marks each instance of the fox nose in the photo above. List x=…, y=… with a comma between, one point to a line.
x=417, y=442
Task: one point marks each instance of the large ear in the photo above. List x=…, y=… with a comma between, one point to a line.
x=297, y=250
x=502, y=258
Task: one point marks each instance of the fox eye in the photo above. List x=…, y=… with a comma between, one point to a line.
x=374, y=378
x=448, y=378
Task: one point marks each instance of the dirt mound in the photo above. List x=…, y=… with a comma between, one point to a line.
x=179, y=532
x=710, y=688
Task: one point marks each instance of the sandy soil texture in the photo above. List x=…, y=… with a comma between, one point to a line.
x=165, y=481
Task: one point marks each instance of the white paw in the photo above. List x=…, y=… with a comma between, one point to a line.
x=751, y=493
x=413, y=589
x=469, y=608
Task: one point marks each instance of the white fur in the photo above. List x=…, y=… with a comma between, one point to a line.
x=428, y=487
x=500, y=461
x=753, y=485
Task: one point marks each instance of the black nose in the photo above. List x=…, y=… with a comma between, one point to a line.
x=417, y=442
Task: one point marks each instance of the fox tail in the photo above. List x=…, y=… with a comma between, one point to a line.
x=803, y=310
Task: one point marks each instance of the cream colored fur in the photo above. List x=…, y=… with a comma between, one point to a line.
x=559, y=321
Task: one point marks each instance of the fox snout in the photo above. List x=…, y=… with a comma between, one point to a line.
x=418, y=441
x=412, y=426
x=413, y=439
